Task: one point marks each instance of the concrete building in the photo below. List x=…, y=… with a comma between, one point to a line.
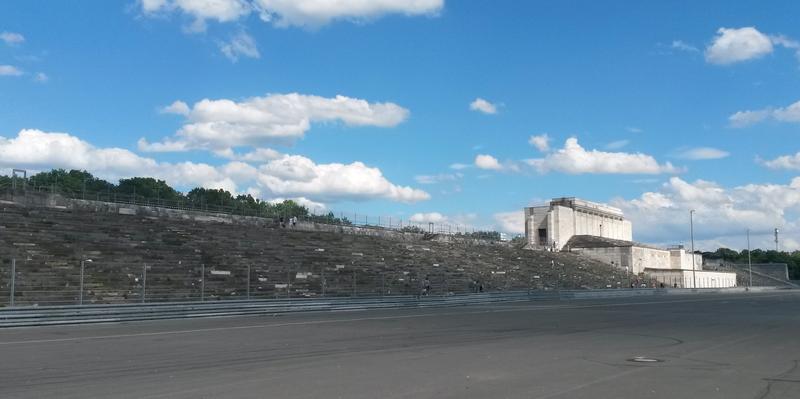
x=551, y=226
x=601, y=232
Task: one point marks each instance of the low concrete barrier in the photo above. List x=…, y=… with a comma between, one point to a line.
x=57, y=315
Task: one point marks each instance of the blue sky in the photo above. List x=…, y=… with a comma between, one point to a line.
x=648, y=94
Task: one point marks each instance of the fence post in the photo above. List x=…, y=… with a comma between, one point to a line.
x=202, y=282
x=13, y=280
x=248, y=282
x=355, y=293
x=80, y=295
x=322, y=276
x=144, y=282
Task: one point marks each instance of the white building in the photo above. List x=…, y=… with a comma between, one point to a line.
x=551, y=226
x=602, y=233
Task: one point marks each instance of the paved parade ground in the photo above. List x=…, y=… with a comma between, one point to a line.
x=704, y=346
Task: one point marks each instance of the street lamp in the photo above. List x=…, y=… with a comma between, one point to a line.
x=691, y=233
x=749, y=263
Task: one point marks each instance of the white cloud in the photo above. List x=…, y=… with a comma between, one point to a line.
x=615, y=145
x=746, y=118
x=434, y=179
x=634, y=129
x=12, y=38
x=432, y=217
x=275, y=118
x=460, y=166
x=484, y=106
x=785, y=162
x=289, y=176
x=200, y=10
x=294, y=175
x=722, y=214
x=10, y=70
x=683, y=46
x=241, y=45
x=703, y=153
x=284, y=13
x=178, y=107
x=255, y=156
x=41, y=77
x=541, y=142
x=737, y=45
x=574, y=159
x=510, y=222
x=489, y=162
x=315, y=13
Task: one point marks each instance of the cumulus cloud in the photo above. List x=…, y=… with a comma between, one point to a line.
x=731, y=46
x=432, y=217
x=483, y=106
x=510, y=222
x=241, y=45
x=790, y=114
x=295, y=175
x=574, y=159
x=784, y=162
x=737, y=45
x=541, y=142
x=288, y=176
x=10, y=70
x=178, y=107
x=275, y=118
x=484, y=161
x=703, y=153
x=200, y=11
x=12, y=38
x=284, y=13
x=722, y=214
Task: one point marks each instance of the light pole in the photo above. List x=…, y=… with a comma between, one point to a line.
x=691, y=233
x=749, y=263
x=776, y=239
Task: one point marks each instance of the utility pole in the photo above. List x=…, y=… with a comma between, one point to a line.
x=776, y=239
x=691, y=233
x=749, y=262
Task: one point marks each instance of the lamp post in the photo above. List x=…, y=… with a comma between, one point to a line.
x=776, y=239
x=749, y=262
x=691, y=233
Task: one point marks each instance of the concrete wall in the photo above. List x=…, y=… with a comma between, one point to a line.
x=564, y=222
x=643, y=258
x=636, y=258
x=682, y=260
x=616, y=256
x=686, y=279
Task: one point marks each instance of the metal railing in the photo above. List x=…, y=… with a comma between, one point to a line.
x=339, y=218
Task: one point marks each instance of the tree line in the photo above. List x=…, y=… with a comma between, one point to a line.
x=82, y=184
x=792, y=259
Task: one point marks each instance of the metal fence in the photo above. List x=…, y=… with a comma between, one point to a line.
x=25, y=282
x=351, y=218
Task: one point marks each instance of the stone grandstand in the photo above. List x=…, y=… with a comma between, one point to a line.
x=137, y=253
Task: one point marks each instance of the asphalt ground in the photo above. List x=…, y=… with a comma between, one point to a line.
x=706, y=346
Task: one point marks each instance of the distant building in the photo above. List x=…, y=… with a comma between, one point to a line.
x=551, y=226
x=601, y=232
